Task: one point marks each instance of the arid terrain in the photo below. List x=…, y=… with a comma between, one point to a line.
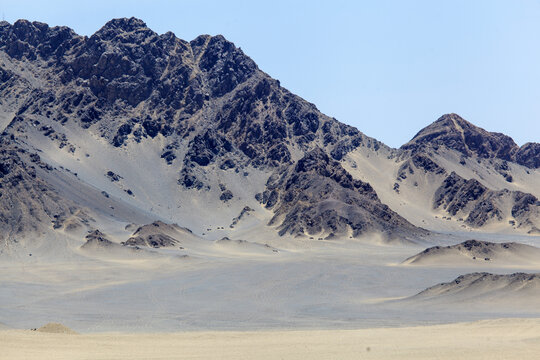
x=160, y=191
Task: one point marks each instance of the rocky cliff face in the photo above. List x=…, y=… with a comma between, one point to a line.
x=127, y=82
x=28, y=205
x=455, y=133
x=480, y=205
x=214, y=117
x=210, y=105
x=474, y=171
x=317, y=197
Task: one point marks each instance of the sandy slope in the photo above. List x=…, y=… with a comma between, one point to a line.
x=490, y=339
x=479, y=253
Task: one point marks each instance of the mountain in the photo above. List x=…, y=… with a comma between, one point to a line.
x=455, y=133
x=131, y=127
x=454, y=176
x=476, y=200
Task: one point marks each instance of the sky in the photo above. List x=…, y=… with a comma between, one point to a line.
x=388, y=68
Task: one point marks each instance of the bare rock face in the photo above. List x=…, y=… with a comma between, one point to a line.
x=455, y=133
x=126, y=83
x=318, y=197
x=213, y=111
x=173, y=84
x=151, y=240
x=27, y=203
x=480, y=205
x=529, y=155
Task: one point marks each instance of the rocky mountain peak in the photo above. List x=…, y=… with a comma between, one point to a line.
x=456, y=133
x=211, y=117
x=120, y=25
x=30, y=40
x=529, y=155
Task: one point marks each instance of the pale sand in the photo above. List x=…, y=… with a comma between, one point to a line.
x=490, y=339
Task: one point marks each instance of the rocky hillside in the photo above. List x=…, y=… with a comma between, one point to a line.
x=478, y=285
x=478, y=253
x=456, y=133
x=213, y=111
x=152, y=127
x=474, y=177
x=28, y=205
x=319, y=195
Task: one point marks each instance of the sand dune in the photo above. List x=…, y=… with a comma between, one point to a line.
x=491, y=339
x=474, y=252
x=98, y=245
x=511, y=293
x=243, y=246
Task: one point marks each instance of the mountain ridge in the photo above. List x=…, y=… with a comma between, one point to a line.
x=215, y=128
x=453, y=131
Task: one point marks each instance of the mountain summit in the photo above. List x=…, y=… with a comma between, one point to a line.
x=456, y=133
x=131, y=127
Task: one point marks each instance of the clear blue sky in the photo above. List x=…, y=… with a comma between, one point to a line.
x=387, y=67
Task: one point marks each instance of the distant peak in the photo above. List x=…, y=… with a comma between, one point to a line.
x=454, y=132
x=119, y=26
x=125, y=24
x=451, y=118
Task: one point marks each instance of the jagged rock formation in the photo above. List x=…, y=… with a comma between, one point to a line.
x=243, y=214
x=454, y=132
x=470, y=199
x=127, y=82
x=317, y=197
x=97, y=239
x=529, y=155
x=208, y=116
x=206, y=98
x=467, y=164
x=27, y=203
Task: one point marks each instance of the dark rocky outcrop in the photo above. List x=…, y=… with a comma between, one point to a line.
x=480, y=205
x=27, y=203
x=172, y=84
x=157, y=235
x=319, y=197
x=479, y=252
x=97, y=239
x=210, y=109
x=529, y=155
x=478, y=284
x=455, y=133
